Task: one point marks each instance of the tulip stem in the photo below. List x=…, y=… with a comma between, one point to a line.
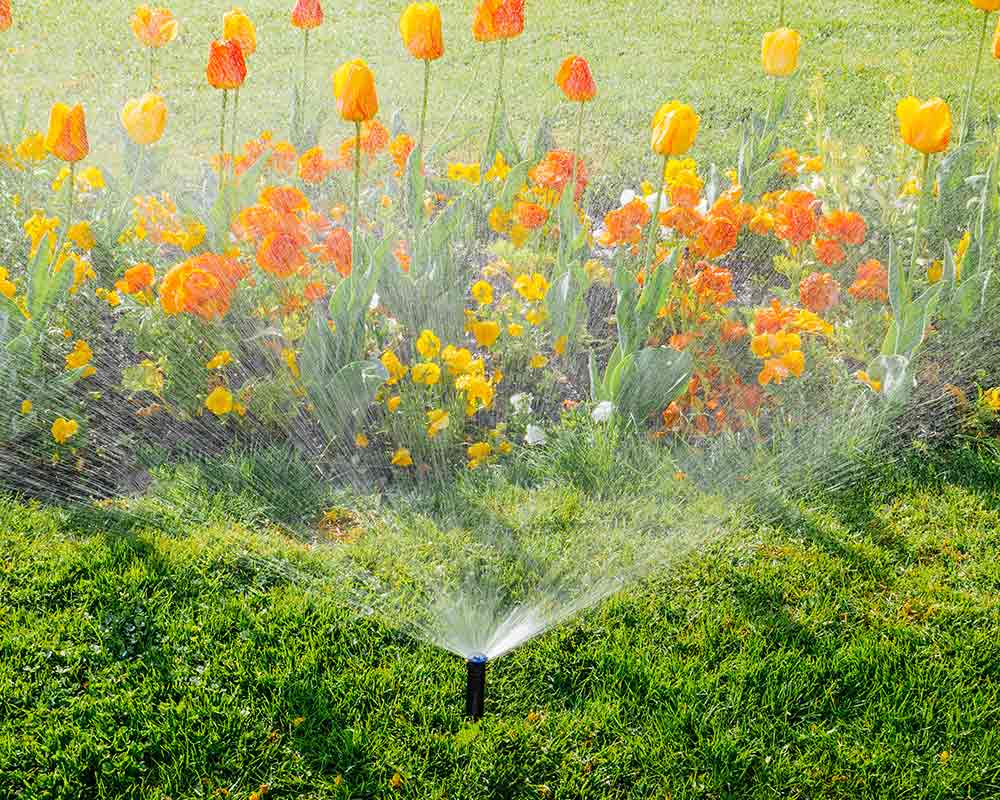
x=925, y=192
x=152, y=78
x=357, y=190
x=423, y=111
x=576, y=153
x=975, y=77
x=222, y=140
x=232, y=150
x=654, y=225
x=781, y=13
x=69, y=213
x=497, y=104
x=305, y=71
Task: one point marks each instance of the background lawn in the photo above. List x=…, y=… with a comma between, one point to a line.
x=644, y=52
x=849, y=652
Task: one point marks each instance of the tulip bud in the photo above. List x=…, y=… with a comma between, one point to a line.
x=675, y=128
x=986, y=5
x=498, y=19
x=145, y=118
x=779, y=52
x=420, y=27
x=924, y=126
x=238, y=27
x=226, y=67
x=354, y=90
x=154, y=27
x=575, y=80
x=307, y=14
x=67, y=135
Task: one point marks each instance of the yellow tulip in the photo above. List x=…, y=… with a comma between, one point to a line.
x=239, y=28
x=675, y=128
x=779, y=52
x=924, y=126
x=144, y=118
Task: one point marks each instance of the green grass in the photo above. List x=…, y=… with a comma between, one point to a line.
x=850, y=651
x=644, y=52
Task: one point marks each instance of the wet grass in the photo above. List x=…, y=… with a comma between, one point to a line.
x=850, y=650
x=869, y=53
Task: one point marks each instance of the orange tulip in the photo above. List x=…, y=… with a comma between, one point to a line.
x=779, y=52
x=67, y=136
x=307, y=14
x=675, y=127
x=575, y=80
x=5, y=16
x=239, y=28
x=498, y=19
x=986, y=5
x=420, y=27
x=354, y=90
x=227, y=68
x=154, y=27
x=925, y=126
x=145, y=118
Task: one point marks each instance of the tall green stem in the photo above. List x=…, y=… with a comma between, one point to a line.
x=576, y=153
x=781, y=13
x=423, y=111
x=975, y=77
x=357, y=190
x=152, y=78
x=222, y=140
x=232, y=150
x=925, y=192
x=305, y=70
x=654, y=225
x=69, y=214
x=491, y=141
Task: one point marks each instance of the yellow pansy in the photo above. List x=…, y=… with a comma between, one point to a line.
x=428, y=345
x=221, y=359
x=64, y=429
x=482, y=292
x=426, y=372
x=393, y=366
x=402, y=458
x=486, y=332
x=437, y=421
x=219, y=401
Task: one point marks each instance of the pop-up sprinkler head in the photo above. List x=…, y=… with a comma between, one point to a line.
x=475, y=689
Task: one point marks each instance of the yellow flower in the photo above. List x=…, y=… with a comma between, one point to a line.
x=560, y=345
x=7, y=288
x=361, y=441
x=426, y=372
x=428, y=345
x=536, y=316
x=538, y=361
x=81, y=235
x=960, y=251
x=991, y=399
x=393, y=366
x=910, y=189
x=39, y=227
x=402, y=458
x=81, y=271
x=532, y=287
x=26, y=407
x=519, y=235
x=935, y=271
x=90, y=179
x=221, y=359
x=779, y=52
x=675, y=127
x=499, y=220
x=292, y=362
x=864, y=377
x=479, y=451
x=515, y=330
x=482, y=292
x=393, y=402
x=464, y=172
x=499, y=170
x=505, y=447
x=486, y=332
x=458, y=360
x=32, y=148
x=437, y=421
x=81, y=355
x=478, y=392
x=112, y=298
x=219, y=401
x=64, y=429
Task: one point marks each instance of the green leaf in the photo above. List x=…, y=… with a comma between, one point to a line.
x=657, y=376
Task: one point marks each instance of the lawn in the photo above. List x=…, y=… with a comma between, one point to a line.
x=848, y=651
x=643, y=52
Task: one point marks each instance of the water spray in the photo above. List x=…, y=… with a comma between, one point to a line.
x=475, y=687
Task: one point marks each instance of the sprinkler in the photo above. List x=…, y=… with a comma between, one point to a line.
x=475, y=688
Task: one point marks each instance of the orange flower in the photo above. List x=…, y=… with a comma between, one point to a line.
x=400, y=148
x=789, y=161
x=498, y=19
x=717, y=236
x=201, y=285
x=777, y=369
x=238, y=27
x=847, y=227
x=374, y=138
x=354, y=90
x=819, y=292
x=871, y=282
x=226, y=68
x=284, y=199
x=336, y=249
x=925, y=127
x=154, y=27
x=530, y=215
x=67, y=135
x=624, y=225
x=829, y=252
x=313, y=166
x=732, y=331
x=402, y=256
x=420, y=27
x=773, y=319
x=675, y=127
x=314, y=291
x=683, y=219
x=281, y=254
x=795, y=218
x=713, y=285
x=136, y=279
x=5, y=16
x=555, y=170
x=307, y=14
x=575, y=80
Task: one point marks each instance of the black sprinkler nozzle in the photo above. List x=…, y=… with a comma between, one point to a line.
x=475, y=689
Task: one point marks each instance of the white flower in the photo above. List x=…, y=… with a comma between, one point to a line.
x=521, y=403
x=534, y=435
x=627, y=197
x=602, y=411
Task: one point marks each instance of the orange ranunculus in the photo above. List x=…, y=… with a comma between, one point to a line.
x=314, y=166
x=281, y=254
x=675, y=127
x=530, y=215
x=779, y=52
x=284, y=199
x=136, y=279
x=732, y=331
x=255, y=222
x=307, y=14
x=67, y=135
x=624, y=225
x=773, y=319
x=714, y=285
x=227, y=69
x=575, y=80
x=314, y=291
x=144, y=118
x=819, y=292
x=829, y=252
x=795, y=217
x=6, y=20
x=986, y=5
x=202, y=286
x=336, y=249
x=498, y=19
x=683, y=219
x=374, y=138
x=354, y=90
x=555, y=170
x=154, y=27
x=871, y=282
x=420, y=27
x=400, y=148
x=717, y=236
x=238, y=27
x=847, y=227
x=924, y=126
